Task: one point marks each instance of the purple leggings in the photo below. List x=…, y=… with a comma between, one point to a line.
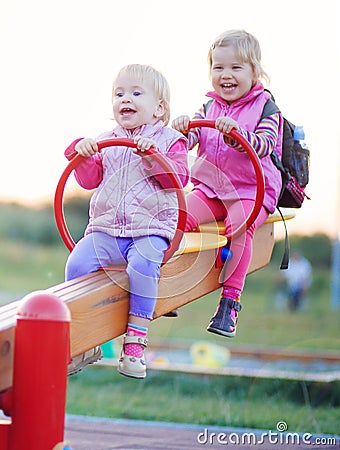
x=202, y=209
x=143, y=256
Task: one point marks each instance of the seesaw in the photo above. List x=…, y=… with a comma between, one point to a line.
x=98, y=302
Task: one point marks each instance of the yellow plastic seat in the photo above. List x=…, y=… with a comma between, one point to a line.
x=219, y=227
x=198, y=242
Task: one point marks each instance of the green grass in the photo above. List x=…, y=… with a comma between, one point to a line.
x=228, y=401
x=218, y=401
x=225, y=401
x=28, y=267
x=262, y=321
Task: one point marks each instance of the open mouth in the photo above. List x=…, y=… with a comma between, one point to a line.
x=126, y=111
x=228, y=86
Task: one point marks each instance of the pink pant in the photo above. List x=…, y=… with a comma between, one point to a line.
x=202, y=209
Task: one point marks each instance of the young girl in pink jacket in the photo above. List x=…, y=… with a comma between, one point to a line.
x=223, y=175
x=133, y=213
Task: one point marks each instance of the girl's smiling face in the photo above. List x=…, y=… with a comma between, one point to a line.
x=135, y=102
x=231, y=77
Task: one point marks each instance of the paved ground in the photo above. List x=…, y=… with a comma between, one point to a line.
x=84, y=433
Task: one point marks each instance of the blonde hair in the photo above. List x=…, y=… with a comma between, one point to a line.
x=247, y=48
x=160, y=84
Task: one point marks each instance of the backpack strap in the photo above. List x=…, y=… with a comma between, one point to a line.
x=269, y=109
x=278, y=164
x=285, y=257
x=206, y=106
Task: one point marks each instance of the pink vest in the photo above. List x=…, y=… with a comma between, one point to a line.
x=128, y=202
x=223, y=172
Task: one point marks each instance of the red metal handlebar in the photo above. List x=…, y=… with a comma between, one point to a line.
x=158, y=157
x=258, y=173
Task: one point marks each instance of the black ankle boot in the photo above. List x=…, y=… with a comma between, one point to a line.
x=222, y=322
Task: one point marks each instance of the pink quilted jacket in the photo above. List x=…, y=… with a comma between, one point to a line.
x=131, y=198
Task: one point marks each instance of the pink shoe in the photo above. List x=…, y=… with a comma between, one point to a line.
x=131, y=366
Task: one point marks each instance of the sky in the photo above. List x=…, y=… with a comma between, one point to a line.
x=59, y=58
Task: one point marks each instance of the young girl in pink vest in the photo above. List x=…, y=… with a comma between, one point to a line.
x=133, y=214
x=223, y=175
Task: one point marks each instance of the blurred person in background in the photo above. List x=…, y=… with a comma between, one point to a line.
x=298, y=279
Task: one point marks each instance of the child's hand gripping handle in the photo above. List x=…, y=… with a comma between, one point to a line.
x=158, y=157
x=260, y=187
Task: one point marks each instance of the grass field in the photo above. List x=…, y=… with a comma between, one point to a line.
x=219, y=400
x=225, y=401
x=264, y=320
x=28, y=267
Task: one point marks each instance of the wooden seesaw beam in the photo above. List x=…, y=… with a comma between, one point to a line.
x=99, y=301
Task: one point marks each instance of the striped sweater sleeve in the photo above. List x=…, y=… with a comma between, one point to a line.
x=263, y=139
x=195, y=133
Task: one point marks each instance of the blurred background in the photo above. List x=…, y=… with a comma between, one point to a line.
x=58, y=63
